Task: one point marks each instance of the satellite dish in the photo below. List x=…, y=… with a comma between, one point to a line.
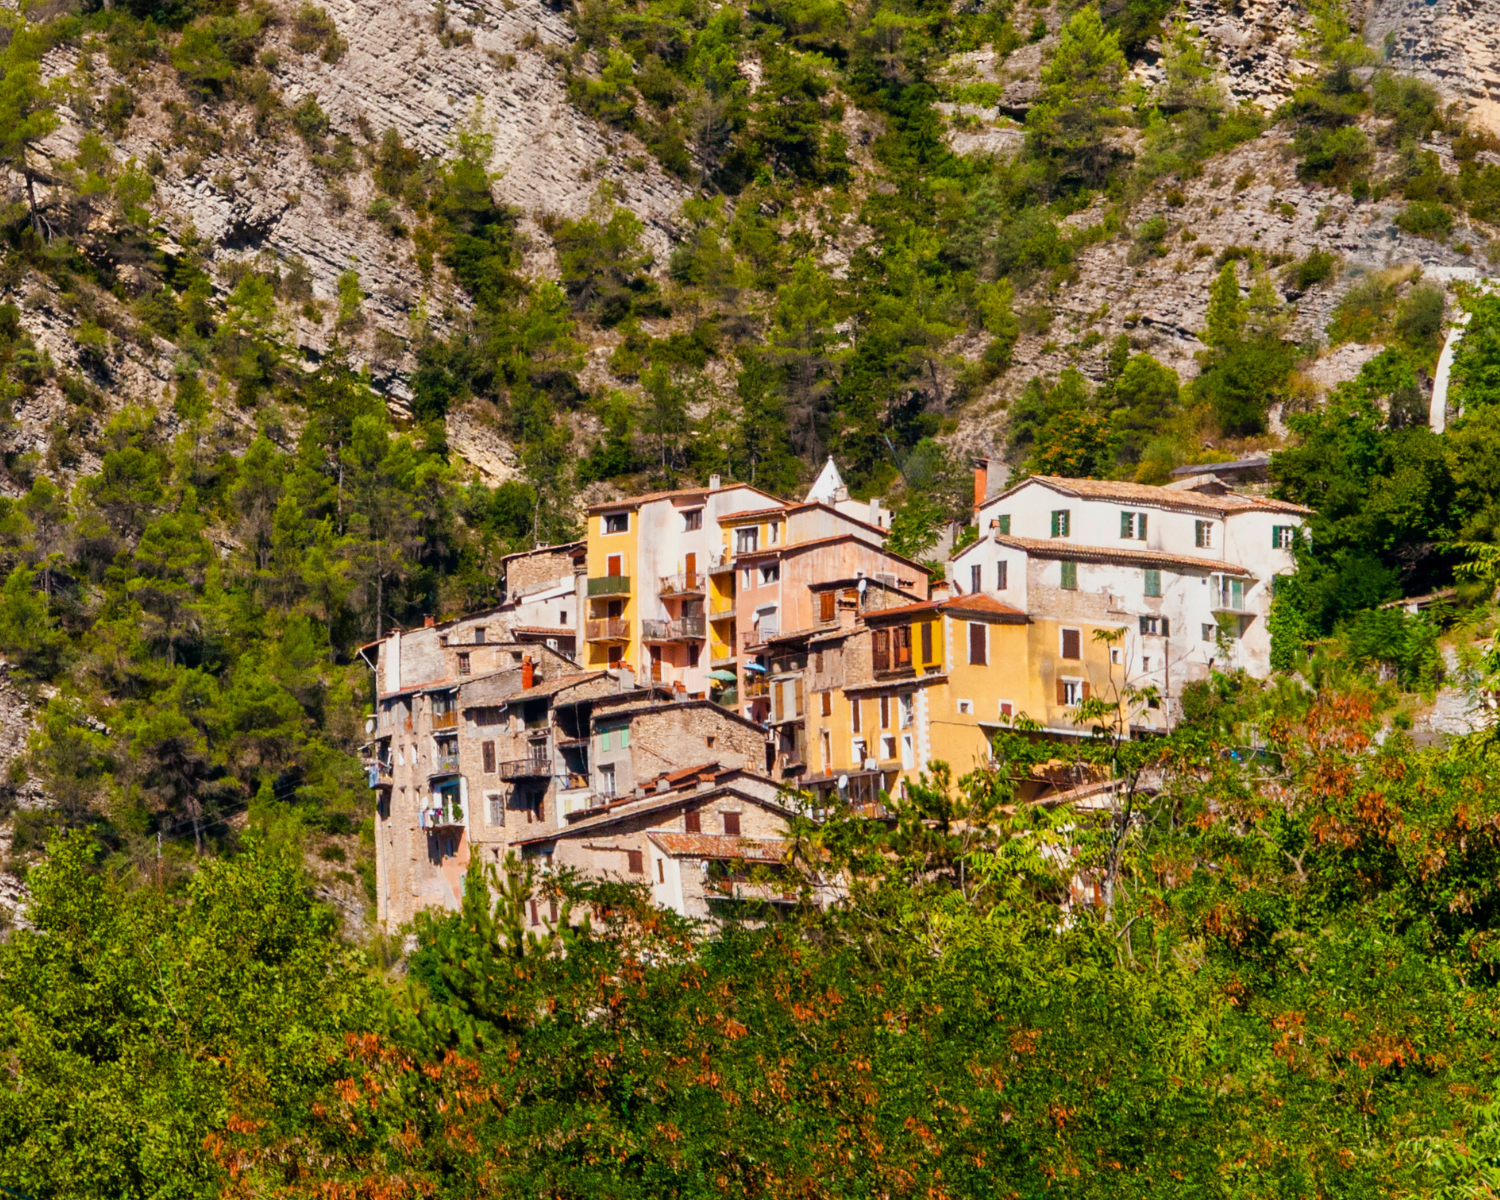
x=863, y=583
x=843, y=782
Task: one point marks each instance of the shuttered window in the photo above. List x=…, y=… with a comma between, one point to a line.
x=634, y=862
x=1061, y=522
x=1068, y=576
x=731, y=824
x=881, y=649
x=979, y=643
x=826, y=602
x=1002, y=576
x=692, y=822
x=1072, y=643
x=488, y=750
x=927, y=639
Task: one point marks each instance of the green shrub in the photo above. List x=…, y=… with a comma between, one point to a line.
x=1312, y=270
x=1409, y=104
x=1331, y=156
x=1424, y=219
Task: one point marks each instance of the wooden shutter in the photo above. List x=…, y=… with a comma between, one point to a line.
x=901, y=637
x=1002, y=576
x=634, y=862
x=881, y=645
x=535, y=920
x=1072, y=644
x=1062, y=693
x=927, y=640
x=692, y=822
x=978, y=643
x=731, y=824
x=614, y=565
x=489, y=758
x=661, y=871
x=1085, y=689
x=826, y=602
x=1166, y=627
x=854, y=711
x=827, y=704
x=690, y=570
x=1127, y=525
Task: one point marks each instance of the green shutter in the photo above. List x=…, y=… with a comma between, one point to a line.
x=1056, y=522
x=1070, y=576
x=625, y=738
x=1140, y=526
x=1004, y=520
x=1127, y=525
x=1153, y=582
x=604, y=739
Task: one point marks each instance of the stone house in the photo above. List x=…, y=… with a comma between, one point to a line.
x=706, y=840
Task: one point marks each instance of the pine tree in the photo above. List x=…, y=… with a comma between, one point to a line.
x=1080, y=101
x=1225, y=321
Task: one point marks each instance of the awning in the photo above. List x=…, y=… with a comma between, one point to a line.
x=723, y=676
x=756, y=667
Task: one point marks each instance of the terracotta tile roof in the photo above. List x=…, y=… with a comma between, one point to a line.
x=980, y=604
x=746, y=514
x=627, y=808
x=544, y=631
x=553, y=686
x=1062, y=548
x=679, y=494
x=1161, y=497
x=710, y=845
x=559, y=548
x=815, y=543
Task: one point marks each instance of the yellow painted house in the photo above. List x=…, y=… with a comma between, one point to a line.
x=918, y=684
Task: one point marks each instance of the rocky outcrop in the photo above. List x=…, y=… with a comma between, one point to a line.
x=1453, y=44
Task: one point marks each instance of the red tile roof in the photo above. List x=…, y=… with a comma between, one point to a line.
x=544, y=631
x=979, y=604
x=1062, y=548
x=716, y=846
x=679, y=494
x=1163, y=497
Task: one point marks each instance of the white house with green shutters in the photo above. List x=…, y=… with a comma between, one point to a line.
x=1185, y=571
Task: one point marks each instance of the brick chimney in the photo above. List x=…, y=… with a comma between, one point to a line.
x=528, y=673
x=428, y=622
x=940, y=590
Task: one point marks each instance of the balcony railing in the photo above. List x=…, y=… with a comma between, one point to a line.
x=446, y=813
x=684, y=583
x=445, y=720
x=656, y=630
x=533, y=766
x=607, y=629
x=609, y=585
x=378, y=774
x=719, y=561
x=758, y=636
x=445, y=764
x=757, y=685
x=572, y=781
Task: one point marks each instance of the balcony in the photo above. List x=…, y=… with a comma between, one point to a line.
x=609, y=585
x=378, y=774
x=758, y=636
x=687, y=628
x=445, y=720
x=572, y=781
x=726, y=613
x=684, y=583
x=756, y=685
x=445, y=813
x=720, y=561
x=607, y=629
x=533, y=766
x=444, y=764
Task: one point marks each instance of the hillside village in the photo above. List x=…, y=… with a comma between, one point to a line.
x=656, y=702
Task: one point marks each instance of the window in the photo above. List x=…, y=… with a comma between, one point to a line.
x=818, y=663
x=616, y=523
x=607, y=780
x=731, y=824
x=826, y=606
x=693, y=651
x=1068, y=576
x=614, y=567
x=709, y=739
x=494, y=808
x=692, y=822
x=966, y=707
x=908, y=710
x=979, y=643
x=908, y=756
x=1231, y=593
x=1133, y=525
x=880, y=649
x=885, y=712
x=1153, y=582
x=479, y=633
x=901, y=646
x=1007, y=710
x=1282, y=536
x=463, y=664
x=1114, y=655
x=1208, y=632
x=606, y=738
x=858, y=752
x=692, y=519
x=1002, y=524
x=1061, y=520
x=976, y=578
x=1145, y=662
x=1072, y=643
x=825, y=740
x=661, y=871
x=1156, y=625
x=1002, y=576
x=1203, y=534
x=770, y=573
x=634, y=863
x=747, y=540
x=855, y=706
x=773, y=534
x=827, y=708
x=927, y=640
x=1072, y=692
x=747, y=578
x=535, y=919
x=488, y=750
x=562, y=616
x=887, y=747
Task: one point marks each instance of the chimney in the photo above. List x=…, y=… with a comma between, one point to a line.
x=528, y=673
x=939, y=590
x=713, y=483
x=428, y=622
x=875, y=511
x=981, y=481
